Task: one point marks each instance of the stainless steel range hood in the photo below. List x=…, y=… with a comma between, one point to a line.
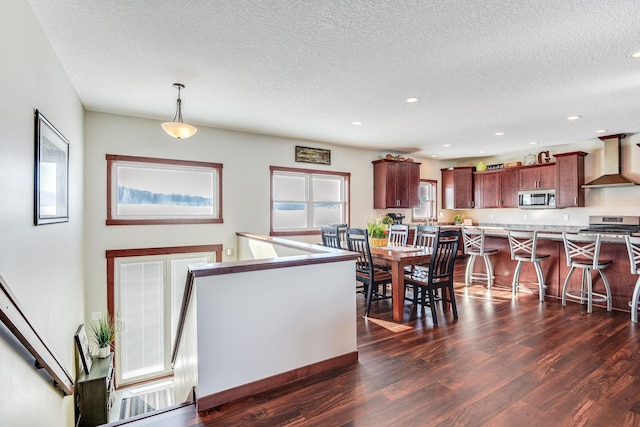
x=612, y=176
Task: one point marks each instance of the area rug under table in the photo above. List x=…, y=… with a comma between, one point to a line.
x=148, y=402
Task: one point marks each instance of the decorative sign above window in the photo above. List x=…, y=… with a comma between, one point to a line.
x=313, y=155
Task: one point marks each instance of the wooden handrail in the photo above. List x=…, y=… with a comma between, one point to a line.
x=15, y=319
x=186, y=296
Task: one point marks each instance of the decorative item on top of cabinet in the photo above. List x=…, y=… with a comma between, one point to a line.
x=570, y=171
x=457, y=187
x=396, y=184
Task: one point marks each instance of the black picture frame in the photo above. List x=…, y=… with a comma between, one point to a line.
x=82, y=342
x=51, y=201
x=313, y=155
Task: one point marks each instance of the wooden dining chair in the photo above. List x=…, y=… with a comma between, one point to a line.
x=437, y=281
x=398, y=235
x=366, y=273
x=424, y=237
x=330, y=236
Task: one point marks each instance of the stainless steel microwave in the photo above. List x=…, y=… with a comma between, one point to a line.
x=537, y=199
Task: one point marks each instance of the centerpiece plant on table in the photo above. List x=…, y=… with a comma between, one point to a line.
x=378, y=230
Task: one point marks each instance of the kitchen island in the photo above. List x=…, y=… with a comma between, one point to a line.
x=555, y=268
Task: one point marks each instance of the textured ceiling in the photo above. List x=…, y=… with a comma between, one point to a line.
x=307, y=69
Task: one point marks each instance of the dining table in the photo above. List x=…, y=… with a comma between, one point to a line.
x=399, y=257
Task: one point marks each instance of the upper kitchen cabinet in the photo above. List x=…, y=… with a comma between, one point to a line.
x=538, y=177
x=570, y=170
x=457, y=187
x=396, y=184
x=496, y=189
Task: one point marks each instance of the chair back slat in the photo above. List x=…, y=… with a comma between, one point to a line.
x=425, y=236
x=523, y=244
x=358, y=241
x=473, y=239
x=330, y=236
x=580, y=248
x=444, y=256
x=398, y=234
x=633, y=249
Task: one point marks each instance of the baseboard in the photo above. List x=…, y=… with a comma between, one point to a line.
x=212, y=400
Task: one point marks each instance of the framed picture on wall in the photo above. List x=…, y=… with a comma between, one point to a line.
x=82, y=342
x=144, y=190
x=51, y=173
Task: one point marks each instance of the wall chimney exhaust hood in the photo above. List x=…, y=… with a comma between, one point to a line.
x=612, y=176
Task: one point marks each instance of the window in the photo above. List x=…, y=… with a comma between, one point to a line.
x=145, y=288
x=302, y=200
x=428, y=196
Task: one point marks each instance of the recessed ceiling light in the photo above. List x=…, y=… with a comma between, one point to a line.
x=635, y=54
x=357, y=123
x=413, y=99
x=447, y=145
x=533, y=142
x=482, y=151
x=574, y=117
x=499, y=133
x=602, y=130
x=434, y=155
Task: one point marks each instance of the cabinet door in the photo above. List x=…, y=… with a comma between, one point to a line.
x=541, y=177
x=463, y=188
x=446, y=189
x=570, y=171
x=486, y=189
x=509, y=188
x=407, y=185
x=547, y=176
x=529, y=178
x=384, y=185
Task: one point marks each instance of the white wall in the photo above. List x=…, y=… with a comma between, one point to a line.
x=43, y=265
x=599, y=201
x=245, y=177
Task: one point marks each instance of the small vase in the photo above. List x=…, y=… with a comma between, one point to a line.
x=379, y=241
x=103, y=352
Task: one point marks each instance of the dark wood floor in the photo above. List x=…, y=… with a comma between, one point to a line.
x=503, y=363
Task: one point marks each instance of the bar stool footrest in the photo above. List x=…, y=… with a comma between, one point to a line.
x=582, y=296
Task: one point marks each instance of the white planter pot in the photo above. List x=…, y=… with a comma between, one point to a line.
x=103, y=352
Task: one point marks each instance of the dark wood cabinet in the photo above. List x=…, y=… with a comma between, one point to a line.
x=570, y=170
x=94, y=393
x=496, y=189
x=538, y=177
x=396, y=184
x=457, y=187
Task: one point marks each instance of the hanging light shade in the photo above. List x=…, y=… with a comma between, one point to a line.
x=177, y=128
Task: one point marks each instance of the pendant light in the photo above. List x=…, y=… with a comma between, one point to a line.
x=177, y=128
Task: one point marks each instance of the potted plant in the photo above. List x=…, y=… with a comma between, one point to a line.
x=457, y=219
x=103, y=334
x=378, y=230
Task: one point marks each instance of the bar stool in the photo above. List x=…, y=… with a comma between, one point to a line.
x=474, y=247
x=523, y=249
x=583, y=252
x=633, y=248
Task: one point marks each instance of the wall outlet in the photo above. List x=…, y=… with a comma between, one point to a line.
x=490, y=216
x=96, y=315
x=525, y=217
x=566, y=217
